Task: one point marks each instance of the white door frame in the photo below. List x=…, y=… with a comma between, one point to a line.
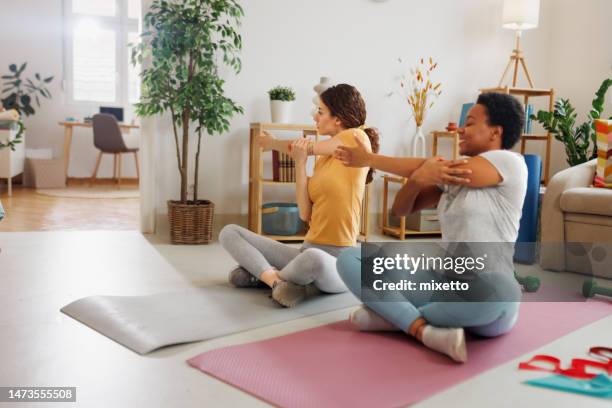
x=148, y=144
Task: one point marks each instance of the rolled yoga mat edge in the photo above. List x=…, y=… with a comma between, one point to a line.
x=146, y=323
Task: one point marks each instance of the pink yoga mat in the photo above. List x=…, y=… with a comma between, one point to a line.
x=336, y=365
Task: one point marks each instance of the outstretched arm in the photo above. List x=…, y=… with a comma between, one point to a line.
x=298, y=152
x=414, y=197
x=360, y=156
x=422, y=191
x=321, y=148
x=402, y=166
x=483, y=173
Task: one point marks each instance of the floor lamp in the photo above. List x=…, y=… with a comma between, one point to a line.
x=519, y=15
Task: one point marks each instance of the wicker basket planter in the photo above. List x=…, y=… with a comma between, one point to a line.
x=191, y=223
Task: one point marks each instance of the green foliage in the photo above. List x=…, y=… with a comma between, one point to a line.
x=18, y=93
x=282, y=93
x=18, y=138
x=597, y=109
x=184, y=40
x=562, y=124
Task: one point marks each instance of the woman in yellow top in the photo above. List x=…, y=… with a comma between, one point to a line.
x=330, y=201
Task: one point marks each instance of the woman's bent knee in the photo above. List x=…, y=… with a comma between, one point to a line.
x=348, y=265
x=500, y=326
x=228, y=233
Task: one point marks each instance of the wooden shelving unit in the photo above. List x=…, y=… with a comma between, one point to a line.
x=527, y=93
x=445, y=135
x=399, y=232
x=257, y=182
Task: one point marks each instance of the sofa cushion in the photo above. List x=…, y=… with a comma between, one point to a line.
x=603, y=130
x=588, y=219
x=586, y=200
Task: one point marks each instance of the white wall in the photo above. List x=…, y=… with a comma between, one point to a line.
x=357, y=42
x=32, y=31
x=295, y=42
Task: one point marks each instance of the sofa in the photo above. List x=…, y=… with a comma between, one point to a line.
x=576, y=223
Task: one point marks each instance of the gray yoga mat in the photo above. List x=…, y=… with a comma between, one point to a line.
x=146, y=323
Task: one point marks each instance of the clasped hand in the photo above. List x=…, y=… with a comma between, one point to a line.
x=437, y=170
x=299, y=150
x=265, y=140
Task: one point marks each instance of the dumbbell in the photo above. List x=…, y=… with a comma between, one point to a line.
x=590, y=289
x=529, y=283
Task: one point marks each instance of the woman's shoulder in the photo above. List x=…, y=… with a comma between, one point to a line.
x=510, y=165
x=347, y=136
x=507, y=156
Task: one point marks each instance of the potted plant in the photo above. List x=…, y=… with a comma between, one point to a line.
x=561, y=122
x=281, y=100
x=18, y=94
x=184, y=40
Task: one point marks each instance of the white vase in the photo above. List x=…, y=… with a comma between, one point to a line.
x=319, y=88
x=281, y=111
x=418, y=138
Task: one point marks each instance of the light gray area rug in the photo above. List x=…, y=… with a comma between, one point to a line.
x=146, y=323
x=92, y=192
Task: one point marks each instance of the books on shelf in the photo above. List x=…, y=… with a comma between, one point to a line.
x=283, y=167
x=275, y=166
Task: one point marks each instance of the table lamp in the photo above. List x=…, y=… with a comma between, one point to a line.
x=519, y=15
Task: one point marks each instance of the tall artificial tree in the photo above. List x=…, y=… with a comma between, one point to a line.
x=185, y=41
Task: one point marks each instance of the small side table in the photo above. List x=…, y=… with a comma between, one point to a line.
x=445, y=134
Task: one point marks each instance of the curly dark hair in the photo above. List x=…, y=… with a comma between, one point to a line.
x=505, y=111
x=345, y=102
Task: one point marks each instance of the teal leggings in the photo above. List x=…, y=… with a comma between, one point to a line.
x=487, y=319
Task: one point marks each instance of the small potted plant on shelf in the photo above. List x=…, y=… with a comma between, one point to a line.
x=185, y=40
x=281, y=100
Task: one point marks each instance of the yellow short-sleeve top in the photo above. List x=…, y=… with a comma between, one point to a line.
x=336, y=193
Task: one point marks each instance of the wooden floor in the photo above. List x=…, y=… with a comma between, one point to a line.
x=28, y=211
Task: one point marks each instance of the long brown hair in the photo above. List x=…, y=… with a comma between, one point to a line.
x=345, y=102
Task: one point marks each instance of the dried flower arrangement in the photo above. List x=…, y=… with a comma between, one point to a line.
x=419, y=90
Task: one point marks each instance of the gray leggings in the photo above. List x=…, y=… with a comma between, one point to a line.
x=312, y=263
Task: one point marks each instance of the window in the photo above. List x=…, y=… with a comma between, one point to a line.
x=98, y=58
